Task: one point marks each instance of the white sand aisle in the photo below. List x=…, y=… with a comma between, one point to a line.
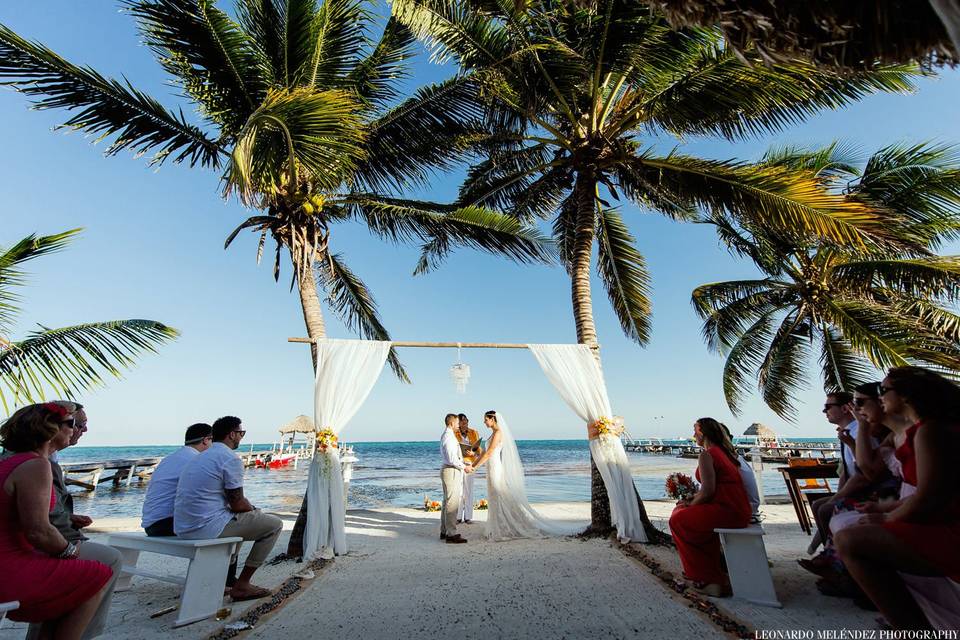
x=400, y=581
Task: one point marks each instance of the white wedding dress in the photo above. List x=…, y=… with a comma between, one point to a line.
x=509, y=513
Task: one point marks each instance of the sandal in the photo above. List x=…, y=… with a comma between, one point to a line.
x=713, y=590
x=255, y=594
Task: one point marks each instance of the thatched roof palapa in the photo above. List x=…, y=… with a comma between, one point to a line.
x=853, y=34
x=300, y=424
x=760, y=430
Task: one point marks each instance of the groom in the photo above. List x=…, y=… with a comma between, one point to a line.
x=451, y=475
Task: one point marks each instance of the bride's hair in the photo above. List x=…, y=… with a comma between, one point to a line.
x=491, y=414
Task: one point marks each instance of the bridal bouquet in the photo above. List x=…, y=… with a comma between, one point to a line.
x=680, y=486
x=430, y=505
x=605, y=426
x=483, y=504
x=326, y=439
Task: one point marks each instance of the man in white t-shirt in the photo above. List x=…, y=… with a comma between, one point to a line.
x=210, y=504
x=157, y=519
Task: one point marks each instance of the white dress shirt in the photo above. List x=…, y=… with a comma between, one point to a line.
x=201, y=510
x=450, y=450
x=750, y=484
x=162, y=490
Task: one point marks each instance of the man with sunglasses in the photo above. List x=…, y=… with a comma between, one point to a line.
x=69, y=525
x=157, y=517
x=210, y=504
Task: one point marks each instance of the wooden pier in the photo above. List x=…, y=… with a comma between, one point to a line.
x=778, y=453
x=90, y=474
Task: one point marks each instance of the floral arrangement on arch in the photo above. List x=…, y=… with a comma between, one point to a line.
x=606, y=426
x=326, y=439
x=430, y=505
x=680, y=486
x=482, y=505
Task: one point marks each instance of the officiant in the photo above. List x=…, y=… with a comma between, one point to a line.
x=470, y=444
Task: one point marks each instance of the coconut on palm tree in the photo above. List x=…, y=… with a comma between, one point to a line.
x=302, y=104
x=855, y=311
x=580, y=97
x=67, y=360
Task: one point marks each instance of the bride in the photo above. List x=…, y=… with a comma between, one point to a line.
x=509, y=513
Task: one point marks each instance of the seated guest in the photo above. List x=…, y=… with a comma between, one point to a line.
x=920, y=535
x=871, y=443
x=158, y=505
x=721, y=502
x=59, y=593
x=749, y=481
x=210, y=504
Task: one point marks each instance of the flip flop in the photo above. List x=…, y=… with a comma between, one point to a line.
x=255, y=594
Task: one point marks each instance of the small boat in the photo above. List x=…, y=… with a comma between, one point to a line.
x=275, y=460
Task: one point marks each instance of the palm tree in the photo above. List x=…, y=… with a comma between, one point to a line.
x=859, y=310
x=301, y=104
x=579, y=97
x=69, y=360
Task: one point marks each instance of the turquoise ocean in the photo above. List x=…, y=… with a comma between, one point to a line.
x=402, y=474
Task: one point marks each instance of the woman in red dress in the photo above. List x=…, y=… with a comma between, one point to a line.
x=40, y=567
x=721, y=502
x=920, y=534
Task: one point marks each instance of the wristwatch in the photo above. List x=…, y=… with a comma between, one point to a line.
x=69, y=552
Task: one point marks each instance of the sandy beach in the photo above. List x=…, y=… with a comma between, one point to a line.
x=400, y=581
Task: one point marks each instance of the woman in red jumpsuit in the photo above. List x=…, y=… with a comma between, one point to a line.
x=721, y=502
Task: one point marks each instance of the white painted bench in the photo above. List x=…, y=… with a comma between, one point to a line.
x=747, y=565
x=5, y=607
x=202, y=593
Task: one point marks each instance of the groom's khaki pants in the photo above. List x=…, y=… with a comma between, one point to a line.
x=452, y=479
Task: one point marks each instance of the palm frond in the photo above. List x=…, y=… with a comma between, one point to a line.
x=485, y=230
x=717, y=94
x=376, y=77
x=624, y=273
x=454, y=30
x=350, y=299
x=739, y=370
x=11, y=275
x=793, y=202
x=834, y=161
x=873, y=331
x=320, y=129
x=107, y=108
x=337, y=40
x=430, y=130
x=934, y=277
x=783, y=370
x=842, y=368
x=70, y=360
x=728, y=309
x=215, y=61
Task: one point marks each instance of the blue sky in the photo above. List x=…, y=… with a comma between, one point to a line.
x=153, y=248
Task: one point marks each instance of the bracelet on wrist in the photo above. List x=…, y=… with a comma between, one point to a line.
x=69, y=552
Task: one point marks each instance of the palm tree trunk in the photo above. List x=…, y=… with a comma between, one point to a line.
x=313, y=318
x=580, y=270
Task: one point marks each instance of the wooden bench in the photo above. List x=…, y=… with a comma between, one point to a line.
x=202, y=593
x=747, y=565
x=5, y=607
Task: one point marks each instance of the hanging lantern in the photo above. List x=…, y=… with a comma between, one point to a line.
x=460, y=373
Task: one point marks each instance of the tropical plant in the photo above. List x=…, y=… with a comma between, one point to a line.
x=302, y=104
x=580, y=96
x=68, y=360
x=858, y=310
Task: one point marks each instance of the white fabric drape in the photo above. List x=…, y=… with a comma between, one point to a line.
x=346, y=372
x=574, y=372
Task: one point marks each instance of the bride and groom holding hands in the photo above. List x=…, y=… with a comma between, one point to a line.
x=509, y=513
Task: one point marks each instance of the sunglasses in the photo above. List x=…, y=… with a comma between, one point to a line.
x=826, y=407
x=69, y=422
x=859, y=402
x=240, y=431
x=884, y=390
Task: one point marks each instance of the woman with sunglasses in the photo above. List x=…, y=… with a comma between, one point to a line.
x=53, y=586
x=920, y=535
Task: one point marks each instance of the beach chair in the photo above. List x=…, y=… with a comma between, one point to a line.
x=4, y=608
x=202, y=593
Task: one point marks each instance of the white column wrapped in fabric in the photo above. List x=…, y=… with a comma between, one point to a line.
x=573, y=370
x=346, y=372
